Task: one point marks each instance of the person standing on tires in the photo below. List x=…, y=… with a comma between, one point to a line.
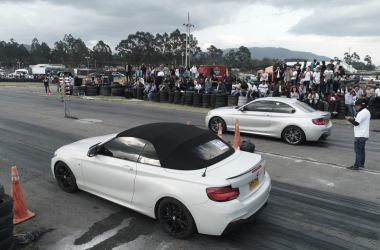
x=361, y=131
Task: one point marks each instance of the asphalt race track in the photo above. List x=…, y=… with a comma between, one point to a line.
x=314, y=203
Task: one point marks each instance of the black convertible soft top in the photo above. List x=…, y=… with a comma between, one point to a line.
x=175, y=144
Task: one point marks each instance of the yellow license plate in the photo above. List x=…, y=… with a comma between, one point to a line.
x=328, y=121
x=253, y=183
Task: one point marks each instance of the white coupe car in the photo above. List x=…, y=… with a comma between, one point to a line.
x=186, y=177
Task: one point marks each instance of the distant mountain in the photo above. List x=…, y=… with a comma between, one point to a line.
x=27, y=46
x=280, y=53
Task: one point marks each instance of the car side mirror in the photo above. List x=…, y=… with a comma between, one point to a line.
x=92, y=151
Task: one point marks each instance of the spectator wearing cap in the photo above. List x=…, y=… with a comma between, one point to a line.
x=350, y=104
x=361, y=132
x=333, y=100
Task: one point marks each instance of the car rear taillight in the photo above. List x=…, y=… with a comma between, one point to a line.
x=222, y=193
x=318, y=121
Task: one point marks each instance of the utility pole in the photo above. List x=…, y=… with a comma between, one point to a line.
x=188, y=25
x=182, y=53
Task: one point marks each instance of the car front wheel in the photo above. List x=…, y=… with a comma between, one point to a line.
x=293, y=135
x=65, y=178
x=175, y=218
x=214, y=124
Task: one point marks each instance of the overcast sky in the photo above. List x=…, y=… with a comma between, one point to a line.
x=326, y=28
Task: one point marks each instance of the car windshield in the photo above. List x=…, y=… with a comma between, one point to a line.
x=304, y=107
x=211, y=149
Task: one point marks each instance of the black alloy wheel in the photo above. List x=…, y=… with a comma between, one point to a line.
x=65, y=178
x=175, y=218
x=214, y=124
x=293, y=135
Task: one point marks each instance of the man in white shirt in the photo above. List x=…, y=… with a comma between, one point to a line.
x=316, y=79
x=263, y=89
x=349, y=101
x=235, y=89
x=252, y=89
x=264, y=76
x=329, y=74
x=336, y=69
x=194, y=71
x=377, y=91
x=361, y=131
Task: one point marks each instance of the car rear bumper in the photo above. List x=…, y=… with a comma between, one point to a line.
x=318, y=132
x=216, y=218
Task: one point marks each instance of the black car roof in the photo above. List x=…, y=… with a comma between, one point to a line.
x=175, y=142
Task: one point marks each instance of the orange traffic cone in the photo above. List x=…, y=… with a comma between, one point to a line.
x=220, y=131
x=48, y=90
x=20, y=213
x=237, y=135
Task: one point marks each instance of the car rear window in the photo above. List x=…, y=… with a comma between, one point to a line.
x=211, y=149
x=304, y=107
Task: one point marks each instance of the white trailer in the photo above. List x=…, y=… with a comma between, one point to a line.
x=38, y=70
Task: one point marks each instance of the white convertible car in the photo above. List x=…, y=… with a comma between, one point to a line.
x=186, y=177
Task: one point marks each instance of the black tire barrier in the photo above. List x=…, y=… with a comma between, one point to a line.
x=134, y=93
x=140, y=93
x=105, y=90
x=117, y=90
x=221, y=100
x=1, y=191
x=92, y=90
x=197, y=102
x=206, y=100
x=183, y=99
x=6, y=222
x=128, y=94
x=320, y=106
x=189, y=98
x=171, y=96
x=78, y=89
x=232, y=100
x=146, y=97
x=164, y=96
x=115, y=83
x=375, y=115
x=156, y=97
x=212, y=101
x=177, y=97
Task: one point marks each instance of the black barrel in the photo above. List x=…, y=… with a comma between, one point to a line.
x=92, y=90
x=206, y=99
x=177, y=97
x=197, y=102
x=171, y=96
x=164, y=96
x=140, y=93
x=189, y=98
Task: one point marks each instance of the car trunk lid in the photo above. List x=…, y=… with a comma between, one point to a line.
x=245, y=172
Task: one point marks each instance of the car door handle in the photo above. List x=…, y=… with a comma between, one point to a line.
x=129, y=168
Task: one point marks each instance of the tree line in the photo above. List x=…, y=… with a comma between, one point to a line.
x=136, y=48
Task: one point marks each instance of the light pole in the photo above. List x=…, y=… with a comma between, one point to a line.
x=183, y=53
x=88, y=62
x=188, y=25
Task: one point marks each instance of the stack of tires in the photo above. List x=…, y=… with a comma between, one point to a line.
x=6, y=220
x=342, y=110
x=128, y=94
x=117, y=89
x=91, y=90
x=374, y=109
x=189, y=98
x=171, y=96
x=134, y=93
x=140, y=93
x=105, y=90
x=197, y=102
x=221, y=100
x=156, y=97
x=164, y=96
x=183, y=99
x=212, y=101
x=232, y=100
x=145, y=96
x=206, y=99
x=242, y=100
x=177, y=97
x=79, y=89
x=320, y=106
